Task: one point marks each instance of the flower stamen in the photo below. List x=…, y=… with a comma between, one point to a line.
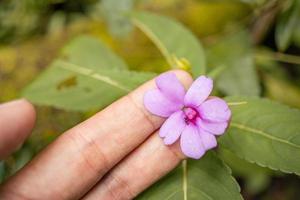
x=190, y=114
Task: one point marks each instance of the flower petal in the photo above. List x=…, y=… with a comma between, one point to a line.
x=170, y=86
x=190, y=142
x=215, y=110
x=158, y=104
x=172, y=128
x=199, y=91
x=216, y=128
x=208, y=140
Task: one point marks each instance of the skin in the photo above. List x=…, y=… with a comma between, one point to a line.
x=100, y=158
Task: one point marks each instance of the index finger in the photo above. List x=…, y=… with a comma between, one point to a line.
x=78, y=159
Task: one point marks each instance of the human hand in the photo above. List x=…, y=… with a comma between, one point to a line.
x=115, y=154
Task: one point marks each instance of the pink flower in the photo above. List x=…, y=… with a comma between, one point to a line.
x=193, y=116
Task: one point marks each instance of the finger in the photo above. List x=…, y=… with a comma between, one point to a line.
x=148, y=163
x=17, y=119
x=77, y=160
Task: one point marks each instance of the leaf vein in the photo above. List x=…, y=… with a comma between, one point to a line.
x=262, y=133
x=90, y=73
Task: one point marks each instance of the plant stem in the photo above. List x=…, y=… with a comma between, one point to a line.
x=281, y=57
x=184, y=179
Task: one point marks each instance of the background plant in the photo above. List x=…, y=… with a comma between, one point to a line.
x=251, y=56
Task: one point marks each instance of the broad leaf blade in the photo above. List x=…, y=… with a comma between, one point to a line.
x=207, y=178
x=265, y=132
x=68, y=86
x=286, y=25
x=256, y=178
x=173, y=40
x=238, y=76
x=91, y=53
x=114, y=13
x=2, y=171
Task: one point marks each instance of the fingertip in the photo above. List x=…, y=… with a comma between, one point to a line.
x=28, y=110
x=24, y=109
x=17, y=119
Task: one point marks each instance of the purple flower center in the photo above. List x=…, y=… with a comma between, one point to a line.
x=190, y=114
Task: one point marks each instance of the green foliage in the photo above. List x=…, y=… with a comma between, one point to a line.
x=208, y=178
x=278, y=84
x=256, y=178
x=91, y=78
x=286, y=25
x=114, y=12
x=69, y=86
x=233, y=54
x=91, y=53
x=88, y=76
x=296, y=34
x=282, y=90
x=36, y=16
x=2, y=171
x=264, y=132
x=178, y=45
x=21, y=158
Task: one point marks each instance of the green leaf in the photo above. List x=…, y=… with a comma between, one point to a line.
x=2, y=171
x=282, y=90
x=207, y=178
x=233, y=55
x=22, y=157
x=296, y=34
x=264, y=132
x=91, y=53
x=286, y=25
x=72, y=87
x=90, y=77
x=256, y=178
x=178, y=45
x=114, y=12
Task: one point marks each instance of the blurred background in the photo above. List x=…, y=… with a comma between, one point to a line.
x=264, y=34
